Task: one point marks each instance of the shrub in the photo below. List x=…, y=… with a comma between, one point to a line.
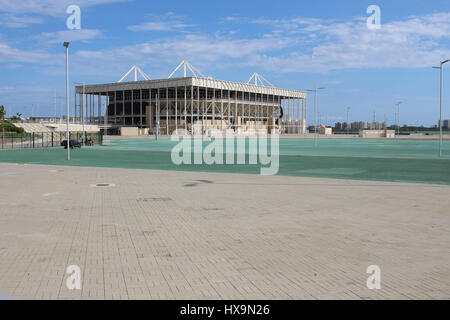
x=8, y=127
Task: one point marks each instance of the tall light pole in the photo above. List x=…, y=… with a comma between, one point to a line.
x=440, y=108
x=315, y=112
x=398, y=118
x=82, y=110
x=66, y=44
x=157, y=116
x=105, y=119
x=348, y=119
x=319, y=118
x=54, y=119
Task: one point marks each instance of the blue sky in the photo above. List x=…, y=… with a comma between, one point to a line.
x=294, y=44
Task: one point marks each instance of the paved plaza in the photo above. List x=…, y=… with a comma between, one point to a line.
x=193, y=235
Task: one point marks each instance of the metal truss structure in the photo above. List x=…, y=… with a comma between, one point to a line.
x=136, y=70
x=187, y=66
x=259, y=80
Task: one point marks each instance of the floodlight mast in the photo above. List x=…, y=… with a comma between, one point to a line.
x=316, y=137
x=440, y=104
x=398, y=118
x=66, y=44
x=348, y=113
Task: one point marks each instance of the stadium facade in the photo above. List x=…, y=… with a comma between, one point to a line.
x=192, y=103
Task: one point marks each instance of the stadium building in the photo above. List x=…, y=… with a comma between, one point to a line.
x=195, y=103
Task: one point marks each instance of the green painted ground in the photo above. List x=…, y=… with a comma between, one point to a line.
x=382, y=160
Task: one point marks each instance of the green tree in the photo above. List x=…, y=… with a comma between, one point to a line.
x=2, y=112
x=16, y=117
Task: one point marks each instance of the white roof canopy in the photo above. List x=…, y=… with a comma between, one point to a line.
x=192, y=81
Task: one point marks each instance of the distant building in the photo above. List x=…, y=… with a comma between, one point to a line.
x=360, y=125
x=325, y=130
x=445, y=124
x=43, y=120
x=376, y=134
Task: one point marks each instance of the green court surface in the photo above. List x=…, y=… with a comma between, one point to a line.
x=358, y=159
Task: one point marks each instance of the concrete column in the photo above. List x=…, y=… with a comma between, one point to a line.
x=167, y=111
x=192, y=110
x=150, y=113
x=176, y=108
x=213, y=104
x=99, y=105
x=185, y=110
x=221, y=109
x=198, y=104
x=115, y=107
x=140, y=108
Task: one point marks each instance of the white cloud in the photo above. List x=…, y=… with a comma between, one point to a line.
x=68, y=35
x=201, y=50
x=157, y=57
x=413, y=43
x=167, y=22
x=295, y=45
x=13, y=55
x=305, y=45
x=47, y=7
x=18, y=21
x=157, y=26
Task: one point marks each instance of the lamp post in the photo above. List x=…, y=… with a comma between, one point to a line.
x=348, y=119
x=440, y=104
x=315, y=112
x=398, y=118
x=66, y=44
x=157, y=116
x=105, y=119
x=82, y=110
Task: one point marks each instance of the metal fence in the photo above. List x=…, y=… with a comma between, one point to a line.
x=14, y=140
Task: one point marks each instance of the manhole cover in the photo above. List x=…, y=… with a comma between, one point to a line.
x=213, y=209
x=99, y=185
x=163, y=199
